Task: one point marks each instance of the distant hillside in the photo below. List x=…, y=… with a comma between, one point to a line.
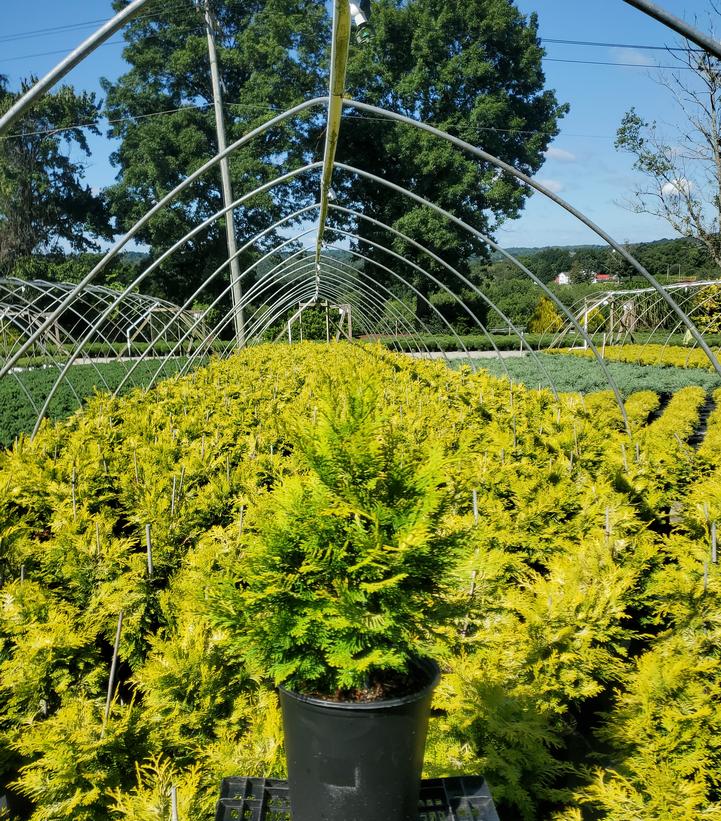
x=521, y=251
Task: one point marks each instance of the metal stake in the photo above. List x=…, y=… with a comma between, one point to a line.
x=113, y=669
x=236, y=288
x=173, y=803
x=149, y=548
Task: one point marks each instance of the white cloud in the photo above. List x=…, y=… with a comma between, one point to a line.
x=560, y=154
x=630, y=55
x=555, y=186
x=676, y=187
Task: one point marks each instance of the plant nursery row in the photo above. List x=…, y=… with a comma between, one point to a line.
x=581, y=660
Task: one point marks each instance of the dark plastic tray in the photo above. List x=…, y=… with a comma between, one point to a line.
x=442, y=799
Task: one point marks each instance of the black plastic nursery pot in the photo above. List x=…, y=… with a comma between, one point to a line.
x=352, y=761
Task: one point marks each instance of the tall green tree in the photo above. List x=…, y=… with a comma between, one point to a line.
x=270, y=60
x=44, y=204
x=472, y=67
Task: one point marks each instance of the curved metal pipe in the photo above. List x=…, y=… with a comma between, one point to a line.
x=678, y=25
x=539, y=364
x=38, y=91
x=484, y=155
x=474, y=232
x=415, y=290
x=267, y=282
x=223, y=266
x=198, y=320
x=261, y=189
x=112, y=253
x=375, y=304
x=442, y=285
x=228, y=316
x=332, y=286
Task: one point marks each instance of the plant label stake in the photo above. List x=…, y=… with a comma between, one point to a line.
x=624, y=457
x=713, y=543
x=22, y=573
x=72, y=491
x=173, y=803
x=475, y=507
x=113, y=669
x=172, y=497
x=149, y=547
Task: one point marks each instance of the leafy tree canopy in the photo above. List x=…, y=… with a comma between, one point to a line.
x=44, y=205
x=471, y=68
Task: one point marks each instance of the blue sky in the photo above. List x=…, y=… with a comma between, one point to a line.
x=582, y=165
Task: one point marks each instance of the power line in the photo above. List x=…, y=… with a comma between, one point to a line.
x=593, y=43
x=135, y=118
x=24, y=35
x=618, y=65
x=65, y=51
x=51, y=53
x=490, y=128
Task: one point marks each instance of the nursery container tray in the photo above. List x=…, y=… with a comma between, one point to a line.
x=442, y=799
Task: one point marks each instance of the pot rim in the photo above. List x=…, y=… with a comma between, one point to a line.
x=430, y=666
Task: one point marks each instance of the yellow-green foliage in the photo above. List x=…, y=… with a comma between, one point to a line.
x=576, y=588
x=545, y=318
x=652, y=354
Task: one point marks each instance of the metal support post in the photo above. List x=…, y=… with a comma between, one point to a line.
x=236, y=291
x=338, y=66
x=678, y=25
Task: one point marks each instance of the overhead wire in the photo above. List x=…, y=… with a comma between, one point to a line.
x=593, y=43
x=44, y=32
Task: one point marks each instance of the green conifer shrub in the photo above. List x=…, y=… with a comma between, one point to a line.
x=348, y=563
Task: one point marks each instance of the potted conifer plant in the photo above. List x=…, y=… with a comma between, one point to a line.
x=347, y=566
